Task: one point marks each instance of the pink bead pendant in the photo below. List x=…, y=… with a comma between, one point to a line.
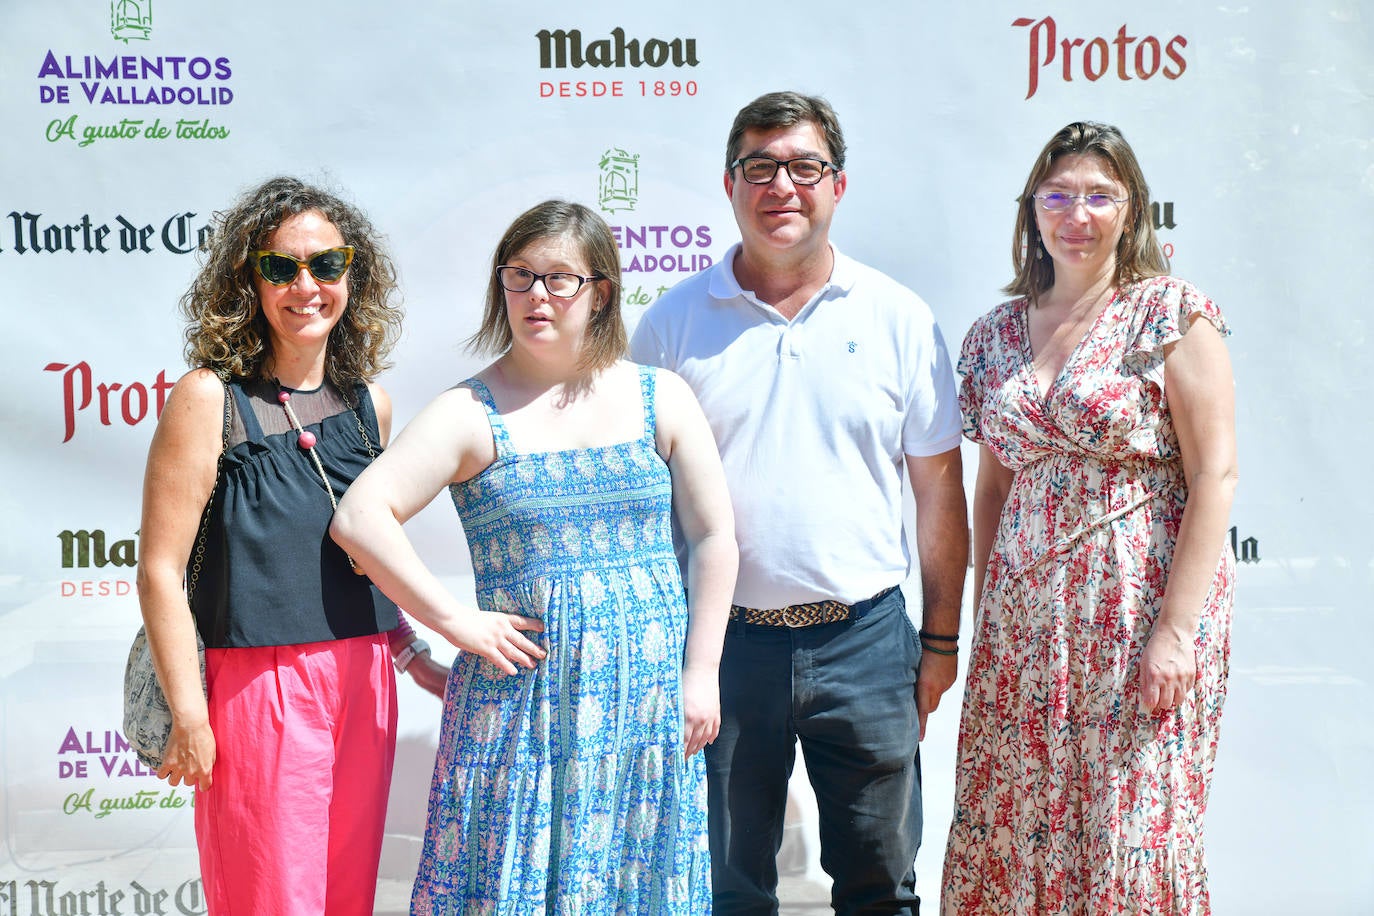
x=306, y=440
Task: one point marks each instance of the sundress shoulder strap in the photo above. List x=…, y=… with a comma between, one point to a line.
x=648, y=377
x=499, y=434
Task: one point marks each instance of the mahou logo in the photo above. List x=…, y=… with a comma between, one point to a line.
x=91, y=551
x=86, y=548
x=562, y=48
x=1125, y=56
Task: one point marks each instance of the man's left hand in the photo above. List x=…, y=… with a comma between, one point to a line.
x=937, y=674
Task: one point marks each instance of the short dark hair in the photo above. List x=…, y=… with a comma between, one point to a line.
x=606, y=340
x=787, y=109
x=226, y=331
x=1138, y=254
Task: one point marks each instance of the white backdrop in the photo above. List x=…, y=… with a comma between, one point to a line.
x=1254, y=125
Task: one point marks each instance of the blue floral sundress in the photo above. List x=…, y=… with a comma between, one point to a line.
x=563, y=790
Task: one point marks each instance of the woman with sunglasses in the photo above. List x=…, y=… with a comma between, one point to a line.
x=1102, y=401
x=567, y=778
x=289, y=319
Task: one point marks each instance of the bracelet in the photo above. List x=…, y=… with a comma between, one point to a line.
x=407, y=655
x=404, y=632
x=936, y=636
x=936, y=651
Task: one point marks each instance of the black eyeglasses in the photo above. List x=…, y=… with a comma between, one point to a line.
x=763, y=169
x=559, y=283
x=280, y=269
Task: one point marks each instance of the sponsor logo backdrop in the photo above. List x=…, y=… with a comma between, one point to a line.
x=126, y=128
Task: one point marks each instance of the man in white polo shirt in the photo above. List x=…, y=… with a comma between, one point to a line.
x=823, y=380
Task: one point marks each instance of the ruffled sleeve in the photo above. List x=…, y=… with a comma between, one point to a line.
x=1166, y=308
x=973, y=369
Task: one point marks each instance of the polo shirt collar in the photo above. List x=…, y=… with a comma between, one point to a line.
x=724, y=285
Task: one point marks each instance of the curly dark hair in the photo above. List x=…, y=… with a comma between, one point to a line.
x=226, y=331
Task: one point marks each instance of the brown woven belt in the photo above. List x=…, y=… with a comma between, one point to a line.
x=806, y=615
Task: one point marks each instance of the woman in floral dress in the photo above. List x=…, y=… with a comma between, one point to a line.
x=1102, y=403
x=567, y=779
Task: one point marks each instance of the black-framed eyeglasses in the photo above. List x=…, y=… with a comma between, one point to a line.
x=281, y=269
x=1057, y=201
x=559, y=283
x=763, y=169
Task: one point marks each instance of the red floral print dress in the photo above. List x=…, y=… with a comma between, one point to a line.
x=1069, y=798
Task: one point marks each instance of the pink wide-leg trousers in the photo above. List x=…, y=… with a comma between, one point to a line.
x=305, y=739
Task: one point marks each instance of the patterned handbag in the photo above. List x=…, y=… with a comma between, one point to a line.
x=147, y=718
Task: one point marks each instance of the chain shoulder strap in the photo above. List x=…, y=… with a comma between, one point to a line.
x=199, y=556
x=353, y=406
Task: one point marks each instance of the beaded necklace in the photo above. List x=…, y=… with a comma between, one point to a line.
x=306, y=440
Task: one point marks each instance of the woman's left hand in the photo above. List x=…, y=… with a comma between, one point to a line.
x=701, y=705
x=1168, y=668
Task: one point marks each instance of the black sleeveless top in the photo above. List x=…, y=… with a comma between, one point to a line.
x=271, y=575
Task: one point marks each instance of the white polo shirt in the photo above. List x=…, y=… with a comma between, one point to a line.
x=813, y=418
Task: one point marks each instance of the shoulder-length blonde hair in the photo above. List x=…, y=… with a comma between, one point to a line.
x=1138, y=253
x=605, y=340
x=226, y=331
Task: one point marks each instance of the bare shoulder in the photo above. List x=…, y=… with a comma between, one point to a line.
x=677, y=411
x=191, y=428
x=196, y=400
x=1200, y=351
x=381, y=401
x=671, y=387
x=199, y=386
x=454, y=417
x=381, y=406
x=460, y=400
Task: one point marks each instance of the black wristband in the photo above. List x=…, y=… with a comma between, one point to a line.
x=936, y=636
x=954, y=651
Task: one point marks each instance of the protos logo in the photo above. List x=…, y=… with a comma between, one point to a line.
x=1096, y=57
x=131, y=405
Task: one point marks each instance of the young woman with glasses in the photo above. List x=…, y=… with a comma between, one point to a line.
x=568, y=776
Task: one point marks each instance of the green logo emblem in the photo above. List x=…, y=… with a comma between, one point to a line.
x=131, y=20
x=619, y=185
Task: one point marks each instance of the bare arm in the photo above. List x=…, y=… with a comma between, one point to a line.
x=1201, y=395
x=701, y=503
x=423, y=669
x=180, y=477
x=449, y=441
x=942, y=547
